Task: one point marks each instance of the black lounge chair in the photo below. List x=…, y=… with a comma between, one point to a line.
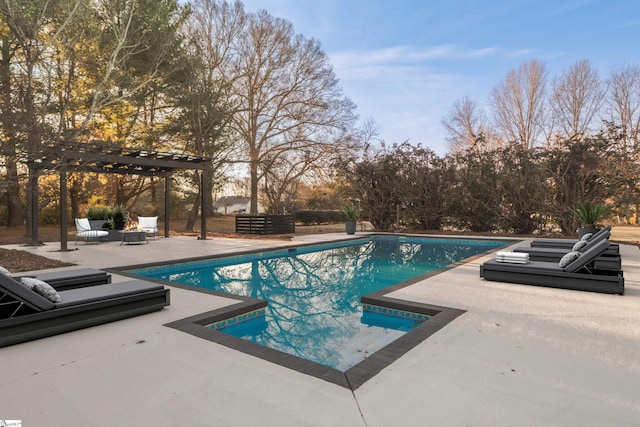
x=26, y=315
x=607, y=261
x=579, y=275
x=603, y=262
x=70, y=279
x=614, y=249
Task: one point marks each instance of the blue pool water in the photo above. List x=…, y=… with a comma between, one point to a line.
x=313, y=292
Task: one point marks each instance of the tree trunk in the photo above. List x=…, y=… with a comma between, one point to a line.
x=208, y=196
x=15, y=211
x=32, y=211
x=74, y=197
x=253, y=208
x=193, y=213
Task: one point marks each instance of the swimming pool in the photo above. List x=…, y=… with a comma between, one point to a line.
x=314, y=292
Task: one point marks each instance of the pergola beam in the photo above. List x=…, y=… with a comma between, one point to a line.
x=65, y=156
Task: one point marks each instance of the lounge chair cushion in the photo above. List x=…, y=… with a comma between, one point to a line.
x=586, y=236
x=579, y=245
x=568, y=258
x=5, y=272
x=42, y=288
x=89, y=294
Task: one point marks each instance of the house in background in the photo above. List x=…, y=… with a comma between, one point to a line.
x=228, y=205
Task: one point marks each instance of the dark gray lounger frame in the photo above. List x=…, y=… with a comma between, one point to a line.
x=603, y=262
x=27, y=316
x=576, y=276
x=607, y=261
x=614, y=248
x=70, y=279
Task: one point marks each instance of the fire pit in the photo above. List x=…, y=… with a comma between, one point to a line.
x=136, y=237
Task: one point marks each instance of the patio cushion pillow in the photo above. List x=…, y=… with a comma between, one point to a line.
x=579, y=245
x=568, y=259
x=42, y=288
x=586, y=236
x=5, y=272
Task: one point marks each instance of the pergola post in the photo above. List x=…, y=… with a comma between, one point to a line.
x=104, y=158
x=63, y=211
x=167, y=192
x=203, y=209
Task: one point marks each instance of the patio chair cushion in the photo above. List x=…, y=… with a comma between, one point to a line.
x=579, y=245
x=83, y=224
x=42, y=288
x=84, y=231
x=92, y=233
x=586, y=236
x=5, y=272
x=568, y=258
x=148, y=224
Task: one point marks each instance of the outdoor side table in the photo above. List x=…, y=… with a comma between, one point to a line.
x=136, y=237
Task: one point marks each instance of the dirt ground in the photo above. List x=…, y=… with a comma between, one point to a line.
x=17, y=260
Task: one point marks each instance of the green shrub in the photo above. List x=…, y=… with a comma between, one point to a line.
x=119, y=216
x=98, y=213
x=313, y=217
x=49, y=215
x=351, y=212
x=114, y=218
x=589, y=213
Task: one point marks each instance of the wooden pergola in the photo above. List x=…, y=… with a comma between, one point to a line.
x=99, y=157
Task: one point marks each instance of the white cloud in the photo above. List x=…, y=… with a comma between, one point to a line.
x=408, y=90
x=404, y=54
x=629, y=24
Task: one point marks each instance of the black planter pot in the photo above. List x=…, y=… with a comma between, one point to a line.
x=586, y=230
x=350, y=226
x=97, y=224
x=114, y=235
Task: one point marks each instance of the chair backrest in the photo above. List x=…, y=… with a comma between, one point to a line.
x=588, y=256
x=147, y=222
x=17, y=291
x=600, y=235
x=82, y=224
x=600, y=232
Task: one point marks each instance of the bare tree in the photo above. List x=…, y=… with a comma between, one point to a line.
x=518, y=104
x=467, y=128
x=624, y=104
x=289, y=96
x=576, y=99
x=623, y=128
x=8, y=121
x=204, y=95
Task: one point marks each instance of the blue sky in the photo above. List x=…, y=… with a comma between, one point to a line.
x=405, y=63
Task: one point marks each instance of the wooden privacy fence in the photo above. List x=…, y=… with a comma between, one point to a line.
x=265, y=224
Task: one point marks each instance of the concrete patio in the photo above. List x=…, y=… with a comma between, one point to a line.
x=520, y=356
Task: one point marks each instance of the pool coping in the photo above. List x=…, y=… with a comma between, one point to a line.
x=353, y=377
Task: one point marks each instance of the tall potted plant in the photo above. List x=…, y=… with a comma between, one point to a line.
x=351, y=213
x=98, y=216
x=589, y=214
x=110, y=219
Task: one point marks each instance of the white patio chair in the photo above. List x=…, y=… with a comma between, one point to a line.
x=148, y=224
x=84, y=231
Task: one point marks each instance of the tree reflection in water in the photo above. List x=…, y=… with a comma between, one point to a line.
x=314, y=309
